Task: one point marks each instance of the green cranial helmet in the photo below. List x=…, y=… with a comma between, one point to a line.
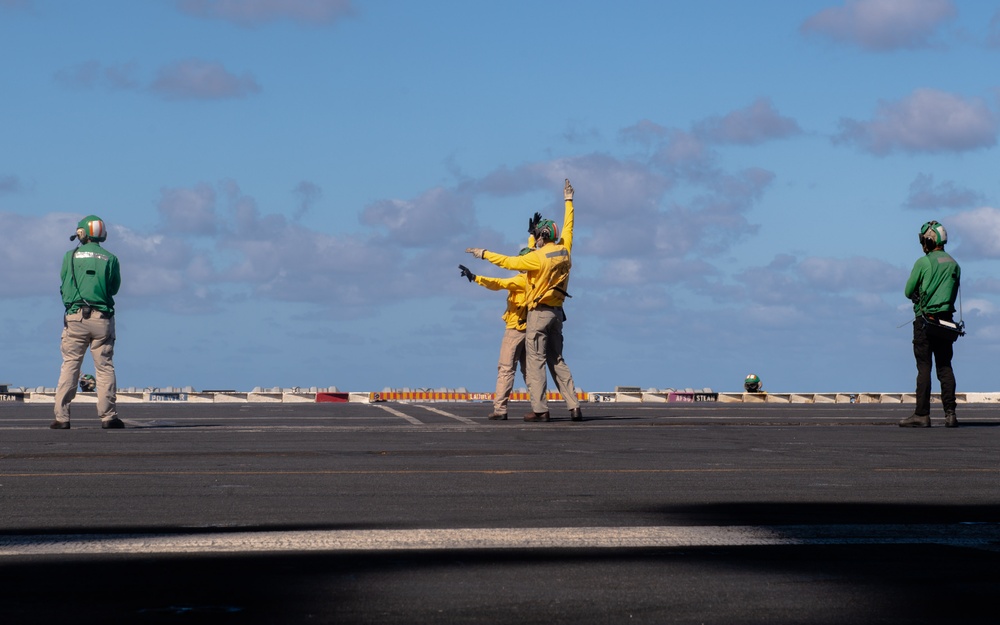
x=752, y=379
x=91, y=228
x=546, y=230
x=933, y=233
x=87, y=383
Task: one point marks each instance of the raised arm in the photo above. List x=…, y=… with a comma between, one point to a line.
x=567, y=236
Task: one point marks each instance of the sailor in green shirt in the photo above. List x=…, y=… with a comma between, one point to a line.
x=933, y=288
x=90, y=279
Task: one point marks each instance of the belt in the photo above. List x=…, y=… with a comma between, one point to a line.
x=94, y=314
x=547, y=307
x=940, y=315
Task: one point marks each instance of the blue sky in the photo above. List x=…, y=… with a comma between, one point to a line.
x=290, y=185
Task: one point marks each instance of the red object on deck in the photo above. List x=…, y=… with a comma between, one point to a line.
x=331, y=397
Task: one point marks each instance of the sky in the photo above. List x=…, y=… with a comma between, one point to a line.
x=290, y=185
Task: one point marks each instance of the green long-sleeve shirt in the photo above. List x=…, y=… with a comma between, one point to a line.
x=90, y=274
x=935, y=279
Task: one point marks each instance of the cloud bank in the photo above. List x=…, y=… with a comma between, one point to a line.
x=882, y=25
x=195, y=79
x=753, y=125
x=980, y=232
x=928, y=121
x=190, y=79
x=254, y=12
x=946, y=195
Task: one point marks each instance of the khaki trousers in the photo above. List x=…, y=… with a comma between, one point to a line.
x=543, y=346
x=511, y=354
x=78, y=335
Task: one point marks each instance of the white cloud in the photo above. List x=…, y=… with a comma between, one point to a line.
x=195, y=79
x=855, y=274
x=774, y=316
x=710, y=223
x=190, y=79
x=980, y=306
x=270, y=257
x=241, y=251
x=925, y=121
x=251, y=12
x=613, y=187
x=925, y=195
x=432, y=219
x=645, y=132
x=985, y=285
x=986, y=333
x=882, y=25
x=31, y=260
x=822, y=286
x=685, y=154
x=752, y=125
x=622, y=204
x=980, y=232
x=189, y=211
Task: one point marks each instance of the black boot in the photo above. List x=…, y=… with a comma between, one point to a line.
x=916, y=421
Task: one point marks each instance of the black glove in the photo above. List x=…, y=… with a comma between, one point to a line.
x=533, y=223
x=466, y=273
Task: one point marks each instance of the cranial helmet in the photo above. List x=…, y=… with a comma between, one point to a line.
x=91, y=228
x=87, y=383
x=933, y=233
x=752, y=379
x=546, y=229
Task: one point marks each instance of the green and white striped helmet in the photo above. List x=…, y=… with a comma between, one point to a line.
x=934, y=233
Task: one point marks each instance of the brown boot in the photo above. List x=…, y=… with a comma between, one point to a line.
x=537, y=416
x=576, y=414
x=497, y=417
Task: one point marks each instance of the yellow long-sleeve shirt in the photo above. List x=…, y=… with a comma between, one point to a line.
x=547, y=267
x=516, y=287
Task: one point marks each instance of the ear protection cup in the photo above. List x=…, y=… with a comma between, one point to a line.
x=81, y=234
x=934, y=233
x=546, y=229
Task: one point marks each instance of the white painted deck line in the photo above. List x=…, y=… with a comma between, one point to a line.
x=399, y=414
x=465, y=420
x=973, y=535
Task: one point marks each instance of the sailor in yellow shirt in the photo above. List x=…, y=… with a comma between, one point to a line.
x=512, y=344
x=547, y=268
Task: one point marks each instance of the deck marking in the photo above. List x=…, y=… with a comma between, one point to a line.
x=402, y=415
x=448, y=414
x=971, y=535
